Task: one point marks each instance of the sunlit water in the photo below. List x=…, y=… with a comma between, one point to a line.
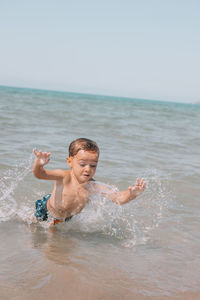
x=147, y=248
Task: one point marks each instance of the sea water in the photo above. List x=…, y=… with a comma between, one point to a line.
x=146, y=249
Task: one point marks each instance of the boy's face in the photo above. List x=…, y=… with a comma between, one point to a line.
x=83, y=165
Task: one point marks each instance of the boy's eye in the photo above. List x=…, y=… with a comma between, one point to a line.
x=82, y=165
x=93, y=166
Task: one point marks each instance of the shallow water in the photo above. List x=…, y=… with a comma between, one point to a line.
x=147, y=249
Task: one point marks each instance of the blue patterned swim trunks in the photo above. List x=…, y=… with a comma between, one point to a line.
x=41, y=211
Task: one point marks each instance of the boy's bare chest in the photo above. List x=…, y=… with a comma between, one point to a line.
x=74, y=194
x=68, y=199
x=74, y=198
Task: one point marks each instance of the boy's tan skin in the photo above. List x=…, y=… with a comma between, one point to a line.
x=70, y=193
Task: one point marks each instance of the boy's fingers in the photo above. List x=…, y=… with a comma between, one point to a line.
x=143, y=185
x=39, y=154
x=137, y=182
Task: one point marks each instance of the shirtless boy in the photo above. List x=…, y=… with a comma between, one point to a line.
x=70, y=193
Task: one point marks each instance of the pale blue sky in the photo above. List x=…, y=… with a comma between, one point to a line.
x=142, y=49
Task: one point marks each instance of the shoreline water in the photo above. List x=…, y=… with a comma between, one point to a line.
x=67, y=271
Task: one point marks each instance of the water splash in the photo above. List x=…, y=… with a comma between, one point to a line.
x=132, y=223
x=8, y=184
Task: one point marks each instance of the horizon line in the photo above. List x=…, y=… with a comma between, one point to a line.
x=92, y=94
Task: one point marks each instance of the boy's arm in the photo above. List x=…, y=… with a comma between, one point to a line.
x=41, y=159
x=130, y=194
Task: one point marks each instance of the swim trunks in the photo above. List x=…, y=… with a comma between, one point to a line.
x=41, y=211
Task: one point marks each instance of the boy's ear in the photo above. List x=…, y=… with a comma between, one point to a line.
x=69, y=161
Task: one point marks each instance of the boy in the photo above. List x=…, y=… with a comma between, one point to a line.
x=70, y=193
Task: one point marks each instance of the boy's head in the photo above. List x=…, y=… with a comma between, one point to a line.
x=82, y=144
x=83, y=159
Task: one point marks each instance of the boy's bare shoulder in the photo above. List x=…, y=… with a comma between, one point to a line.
x=66, y=175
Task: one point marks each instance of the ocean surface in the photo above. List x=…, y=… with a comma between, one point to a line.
x=146, y=249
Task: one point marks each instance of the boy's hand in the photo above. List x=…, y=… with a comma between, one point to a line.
x=42, y=158
x=138, y=188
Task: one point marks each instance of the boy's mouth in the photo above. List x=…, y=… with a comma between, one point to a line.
x=86, y=175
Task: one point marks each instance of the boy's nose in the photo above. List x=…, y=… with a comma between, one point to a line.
x=87, y=168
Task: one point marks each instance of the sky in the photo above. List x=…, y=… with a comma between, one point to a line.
x=146, y=49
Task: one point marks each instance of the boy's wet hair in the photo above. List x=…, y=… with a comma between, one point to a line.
x=82, y=144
